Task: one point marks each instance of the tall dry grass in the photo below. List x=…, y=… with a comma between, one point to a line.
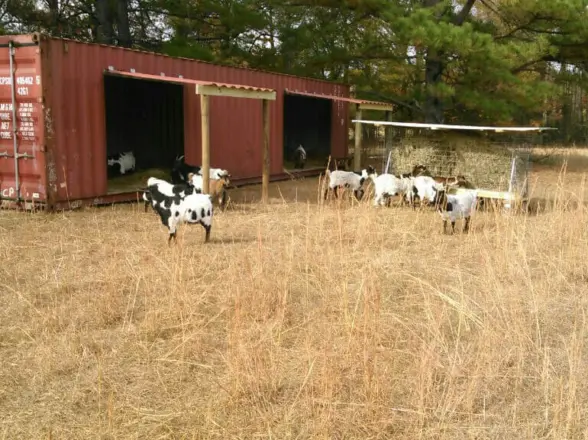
x=298, y=320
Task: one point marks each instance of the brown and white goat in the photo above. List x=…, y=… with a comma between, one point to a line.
x=217, y=188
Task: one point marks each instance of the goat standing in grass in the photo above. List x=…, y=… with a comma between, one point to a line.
x=425, y=189
x=453, y=207
x=177, y=204
x=217, y=188
x=158, y=189
x=386, y=186
x=347, y=180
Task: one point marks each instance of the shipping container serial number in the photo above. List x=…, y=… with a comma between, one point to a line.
x=22, y=83
x=8, y=192
x=26, y=122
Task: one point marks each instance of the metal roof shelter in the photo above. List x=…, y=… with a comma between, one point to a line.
x=507, y=196
x=453, y=127
x=206, y=89
x=360, y=104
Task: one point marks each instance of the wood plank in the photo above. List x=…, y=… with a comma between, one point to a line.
x=373, y=106
x=213, y=90
x=489, y=194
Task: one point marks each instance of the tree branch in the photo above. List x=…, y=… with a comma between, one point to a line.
x=464, y=13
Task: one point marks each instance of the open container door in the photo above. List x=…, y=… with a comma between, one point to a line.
x=22, y=152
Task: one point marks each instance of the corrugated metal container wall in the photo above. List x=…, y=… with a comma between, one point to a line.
x=75, y=124
x=25, y=174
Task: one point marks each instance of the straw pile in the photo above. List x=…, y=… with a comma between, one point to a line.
x=487, y=165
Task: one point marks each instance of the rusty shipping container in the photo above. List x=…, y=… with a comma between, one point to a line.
x=55, y=91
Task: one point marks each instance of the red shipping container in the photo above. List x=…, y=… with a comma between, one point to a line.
x=61, y=113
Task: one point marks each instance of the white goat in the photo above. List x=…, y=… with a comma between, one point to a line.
x=453, y=207
x=425, y=188
x=347, y=179
x=125, y=161
x=388, y=185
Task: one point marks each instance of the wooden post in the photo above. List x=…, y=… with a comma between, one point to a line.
x=266, y=152
x=357, y=151
x=205, y=119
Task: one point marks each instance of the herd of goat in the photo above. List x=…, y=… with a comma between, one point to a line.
x=183, y=201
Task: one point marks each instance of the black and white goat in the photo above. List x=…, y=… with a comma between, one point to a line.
x=180, y=206
x=299, y=157
x=453, y=207
x=158, y=189
x=181, y=170
x=425, y=189
x=347, y=180
x=121, y=163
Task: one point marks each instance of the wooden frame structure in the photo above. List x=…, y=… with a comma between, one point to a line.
x=360, y=104
x=206, y=89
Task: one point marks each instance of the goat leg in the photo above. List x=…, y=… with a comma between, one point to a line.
x=223, y=200
x=466, y=227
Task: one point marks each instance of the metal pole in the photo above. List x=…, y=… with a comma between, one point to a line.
x=388, y=162
x=14, y=122
x=511, y=180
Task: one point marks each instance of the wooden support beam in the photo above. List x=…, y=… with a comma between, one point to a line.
x=381, y=107
x=205, y=121
x=489, y=194
x=265, y=176
x=357, y=151
x=214, y=90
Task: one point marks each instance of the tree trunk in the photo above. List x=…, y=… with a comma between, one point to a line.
x=122, y=24
x=433, y=77
x=104, y=30
x=435, y=66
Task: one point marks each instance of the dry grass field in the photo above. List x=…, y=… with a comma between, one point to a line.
x=298, y=321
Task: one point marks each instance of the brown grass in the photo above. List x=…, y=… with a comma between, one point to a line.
x=298, y=320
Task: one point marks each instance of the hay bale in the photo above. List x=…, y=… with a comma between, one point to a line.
x=135, y=181
x=484, y=163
